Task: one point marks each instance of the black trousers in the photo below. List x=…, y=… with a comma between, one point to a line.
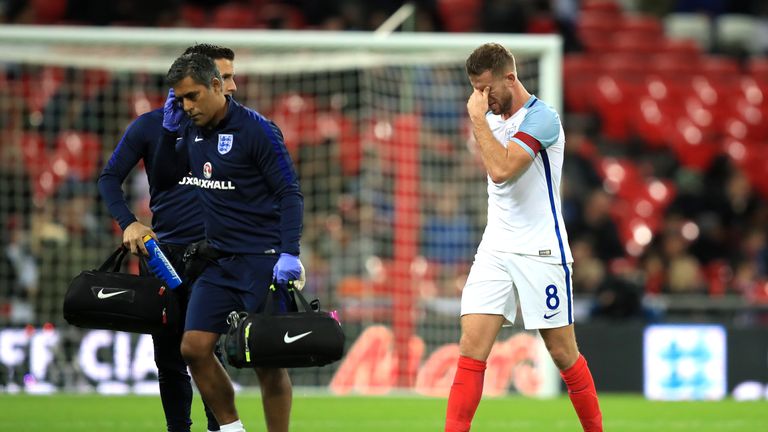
x=175, y=383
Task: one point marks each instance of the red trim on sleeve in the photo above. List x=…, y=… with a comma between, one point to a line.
x=530, y=141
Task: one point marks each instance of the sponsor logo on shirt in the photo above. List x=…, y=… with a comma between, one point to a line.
x=207, y=170
x=208, y=184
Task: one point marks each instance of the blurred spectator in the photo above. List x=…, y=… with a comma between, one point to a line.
x=578, y=168
x=588, y=271
x=618, y=298
x=18, y=265
x=69, y=236
x=684, y=276
x=506, y=16
x=340, y=243
x=597, y=226
x=447, y=234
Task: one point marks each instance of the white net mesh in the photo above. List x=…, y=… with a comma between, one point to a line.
x=394, y=195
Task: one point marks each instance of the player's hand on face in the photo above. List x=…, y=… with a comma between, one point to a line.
x=133, y=237
x=172, y=113
x=477, y=105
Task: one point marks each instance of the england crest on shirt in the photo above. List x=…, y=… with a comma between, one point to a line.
x=225, y=143
x=510, y=132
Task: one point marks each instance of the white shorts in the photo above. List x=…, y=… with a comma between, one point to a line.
x=544, y=289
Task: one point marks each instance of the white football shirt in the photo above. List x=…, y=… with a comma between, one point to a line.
x=524, y=213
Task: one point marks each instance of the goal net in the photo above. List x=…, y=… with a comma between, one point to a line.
x=394, y=192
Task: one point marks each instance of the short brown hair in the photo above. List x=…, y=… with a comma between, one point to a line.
x=493, y=57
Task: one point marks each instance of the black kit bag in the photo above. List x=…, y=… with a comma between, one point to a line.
x=105, y=298
x=283, y=340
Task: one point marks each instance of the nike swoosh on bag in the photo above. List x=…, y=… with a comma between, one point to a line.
x=291, y=339
x=102, y=295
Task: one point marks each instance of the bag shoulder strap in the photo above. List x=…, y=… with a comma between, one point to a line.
x=269, y=306
x=115, y=260
x=297, y=294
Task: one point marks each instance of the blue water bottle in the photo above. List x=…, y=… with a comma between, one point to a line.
x=160, y=265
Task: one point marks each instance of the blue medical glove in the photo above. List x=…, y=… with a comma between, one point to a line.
x=288, y=268
x=172, y=113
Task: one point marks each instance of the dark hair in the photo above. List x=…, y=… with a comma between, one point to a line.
x=213, y=51
x=199, y=67
x=491, y=56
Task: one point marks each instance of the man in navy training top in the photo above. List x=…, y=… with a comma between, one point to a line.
x=252, y=210
x=173, y=231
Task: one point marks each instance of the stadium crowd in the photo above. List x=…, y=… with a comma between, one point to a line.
x=677, y=206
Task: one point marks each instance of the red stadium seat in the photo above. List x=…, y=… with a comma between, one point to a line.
x=691, y=146
x=281, y=16
x=94, y=81
x=580, y=72
x=652, y=123
x=719, y=274
x=757, y=67
x=541, y=24
x=718, y=67
x=295, y=114
x=619, y=175
x=335, y=126
x=752, y=157
x=701, y=116
x=635, y=42
x=753, y=91
x=142, y=101
x=49, y=11
x=645, y=25
x=597, y=23
x=596, y=42
x=459, y=16
x=661, y=192
x=193, y=16
x=674, y=67
x=614, y=100
x=234, y=16
x=38, y=90
x=80, y=152
x=631, y=66
x=33, y=153
x=684, y=49
x=608, y=7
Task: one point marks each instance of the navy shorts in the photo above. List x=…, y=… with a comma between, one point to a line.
x=234, y=283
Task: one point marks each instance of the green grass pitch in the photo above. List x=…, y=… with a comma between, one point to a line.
x=313, y=413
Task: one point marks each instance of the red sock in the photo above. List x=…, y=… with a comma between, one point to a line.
x=581, y=389
x=466, y=391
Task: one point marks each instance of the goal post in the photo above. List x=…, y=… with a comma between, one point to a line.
x=395, y=196
x=28, y=43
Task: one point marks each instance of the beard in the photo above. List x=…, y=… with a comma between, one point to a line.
x=501, y=106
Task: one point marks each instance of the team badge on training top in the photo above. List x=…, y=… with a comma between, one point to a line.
x=207, y=170
x=225, y=143
x=509, y=133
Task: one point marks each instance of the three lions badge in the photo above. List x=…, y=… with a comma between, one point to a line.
x=225, y=143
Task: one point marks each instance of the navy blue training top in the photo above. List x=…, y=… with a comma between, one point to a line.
x=248, y=187
x=176, y=215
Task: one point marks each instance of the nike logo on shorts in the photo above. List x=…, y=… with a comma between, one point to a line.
x=291, y=339
x=550, y=316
